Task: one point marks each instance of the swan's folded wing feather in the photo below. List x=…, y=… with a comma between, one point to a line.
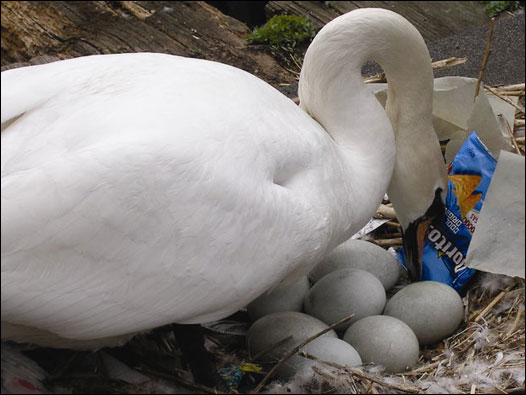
x=25, y=88
x=98, y=248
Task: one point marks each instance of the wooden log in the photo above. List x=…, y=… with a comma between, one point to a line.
x=434, y=20
x=67, y=29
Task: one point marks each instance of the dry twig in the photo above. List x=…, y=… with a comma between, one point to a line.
x=512, y=137
x=268, y=349
x=485, y=58
x=385, y=212
x=439, y=64
x=496, y=300
x=397, y=241
x=511, y=88
x=496, y=93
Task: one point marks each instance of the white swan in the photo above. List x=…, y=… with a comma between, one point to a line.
x=145, y=189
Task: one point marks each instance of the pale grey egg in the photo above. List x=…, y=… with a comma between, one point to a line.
x=328, y=349
x=433, y=310
x=359, y=254
x=273, y=328
x=345, y=292
x=287, y=298
x=384, y=340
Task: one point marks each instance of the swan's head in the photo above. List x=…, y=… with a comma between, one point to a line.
x=415, y=234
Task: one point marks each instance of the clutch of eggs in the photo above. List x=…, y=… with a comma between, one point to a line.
x=353, y=280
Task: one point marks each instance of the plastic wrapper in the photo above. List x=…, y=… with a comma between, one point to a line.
x=233, y=374
x=446, y=245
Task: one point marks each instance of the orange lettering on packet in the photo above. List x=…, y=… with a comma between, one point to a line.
x=465, y=185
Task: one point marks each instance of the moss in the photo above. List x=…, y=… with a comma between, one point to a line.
x=494, y=8
x=282, y=30
x=283, y=34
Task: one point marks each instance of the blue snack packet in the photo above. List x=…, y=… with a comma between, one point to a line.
x=446, y=246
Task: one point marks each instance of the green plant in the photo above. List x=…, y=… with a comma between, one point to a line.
x=283, y=33
x=494, y=8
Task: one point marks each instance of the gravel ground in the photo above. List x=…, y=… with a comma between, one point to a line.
x=506, y=61
x=505, y=64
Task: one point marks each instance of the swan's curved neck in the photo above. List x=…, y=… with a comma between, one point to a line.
x=332, y=91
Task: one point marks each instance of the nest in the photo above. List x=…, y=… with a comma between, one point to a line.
x=485, y=355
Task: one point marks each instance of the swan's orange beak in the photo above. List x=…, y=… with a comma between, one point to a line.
x=415, y=235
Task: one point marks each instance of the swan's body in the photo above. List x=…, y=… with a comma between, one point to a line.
x=145, y=189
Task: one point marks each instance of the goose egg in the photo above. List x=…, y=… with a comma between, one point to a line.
x=359, y=254
x=327, y=349
x=272, y=328
x=433, y=310
x=288, y=298
x=345, y=292
x=384, y=340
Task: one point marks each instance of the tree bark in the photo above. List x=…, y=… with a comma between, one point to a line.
x=65, y=29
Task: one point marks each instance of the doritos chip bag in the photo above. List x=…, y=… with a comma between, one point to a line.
x=446, y=246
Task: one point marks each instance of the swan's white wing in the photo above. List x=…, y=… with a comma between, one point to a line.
x=144, y=189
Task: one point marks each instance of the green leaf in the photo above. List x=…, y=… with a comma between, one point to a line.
x=494, y=8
